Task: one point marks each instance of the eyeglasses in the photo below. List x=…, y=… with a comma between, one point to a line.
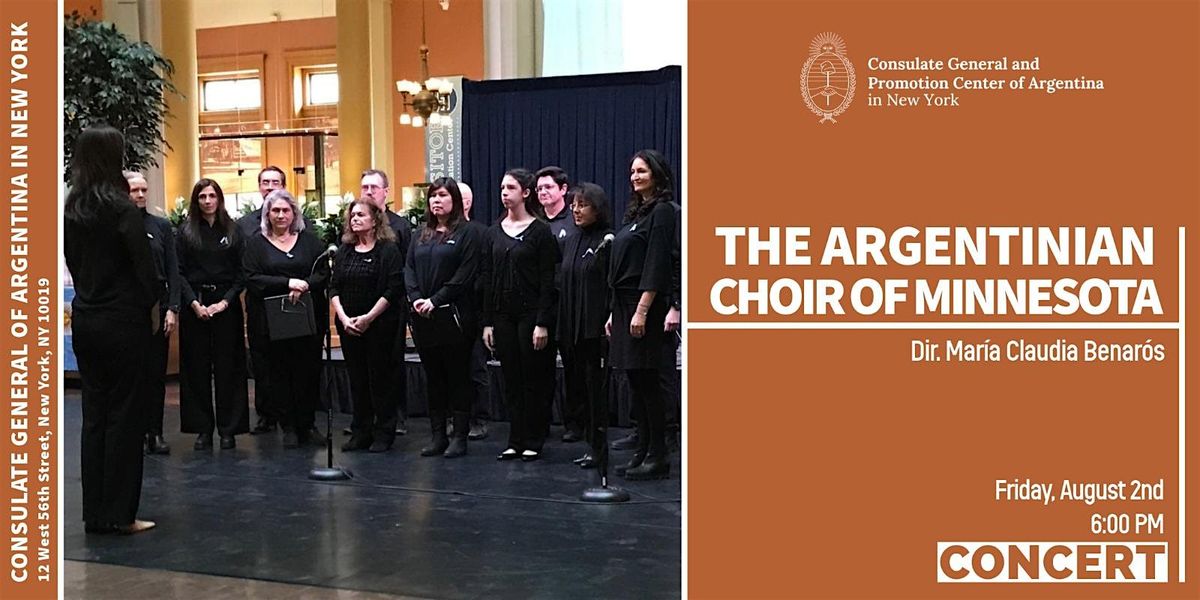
x=546, y=188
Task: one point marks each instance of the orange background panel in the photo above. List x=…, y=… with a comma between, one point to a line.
x=826, y=464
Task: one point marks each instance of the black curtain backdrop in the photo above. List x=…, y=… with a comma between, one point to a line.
x=590, y=125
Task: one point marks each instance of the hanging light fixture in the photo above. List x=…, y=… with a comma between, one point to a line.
x=429, y=99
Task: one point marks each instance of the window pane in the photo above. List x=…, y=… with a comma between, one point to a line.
x=322, y=88
x=232, y=94
x=234, y=165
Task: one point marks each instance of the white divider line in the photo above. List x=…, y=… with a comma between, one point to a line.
x=761, y=325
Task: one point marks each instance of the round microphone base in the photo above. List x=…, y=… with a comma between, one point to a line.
x=329, y=474
x=604, y=495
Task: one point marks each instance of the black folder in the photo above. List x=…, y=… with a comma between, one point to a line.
x=287, y=320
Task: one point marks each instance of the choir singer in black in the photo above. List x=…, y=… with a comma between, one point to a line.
x=640, y=277
x=583, y=311
x=285, y=259
x=440, y=277
x=367, y=293
x=212, y=357
x=520, y=307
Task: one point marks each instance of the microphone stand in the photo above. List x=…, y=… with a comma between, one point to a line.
x=603, y=494
x=329, y=472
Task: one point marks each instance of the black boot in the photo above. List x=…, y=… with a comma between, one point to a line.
x=462, y=429
x=657, y=464
x=643, y=446
x=437, y=425
x=155, y=444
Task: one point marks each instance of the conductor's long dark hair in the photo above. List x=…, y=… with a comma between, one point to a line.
x=663, y=181
x=97, y=181
x=195, y=216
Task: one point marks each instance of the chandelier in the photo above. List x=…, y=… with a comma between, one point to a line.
x=429, y=98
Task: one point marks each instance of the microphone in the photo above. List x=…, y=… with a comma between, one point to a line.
x=607, y=240
x=324, y=255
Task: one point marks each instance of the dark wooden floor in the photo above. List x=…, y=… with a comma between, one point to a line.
x=405, y=525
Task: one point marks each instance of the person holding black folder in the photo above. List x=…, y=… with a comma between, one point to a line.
x=367, y=292
x=583, y=310
x=520, y=307
x=286, y=271
x=440, y=278
x=212, y=357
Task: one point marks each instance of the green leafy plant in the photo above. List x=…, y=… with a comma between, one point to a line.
x=108, y=79
x=329, y=227
x=416, y=212
x=178, y=212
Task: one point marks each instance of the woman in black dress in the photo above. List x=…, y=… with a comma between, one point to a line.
x=583, y=310
x=285, y=260
x=520, y=306
x=640, y=277
x=367, y=292
x=211, y=353
x=440, y=276
x=112, y=319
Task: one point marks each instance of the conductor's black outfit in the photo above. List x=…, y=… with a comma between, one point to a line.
x=443, y=267
x=583, y=310
x=166, y=271
x=520, y=295
x=211, y=354
x=115, y=290
x=359, y=280
x=293, y=366
x=641, y=261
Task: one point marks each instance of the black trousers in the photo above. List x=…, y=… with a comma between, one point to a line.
x=258, y=341
x=585, y=384
x=155, y=388
x=648, y=407
x=112, y=359
x=479, y=379
x=400, y=368
x=528, y=380
x=668, y=377
x=212, y=357
x=447, y=375
x=294, y=368
x=371, y=364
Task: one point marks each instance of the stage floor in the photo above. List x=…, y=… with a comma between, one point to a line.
x=407, y=525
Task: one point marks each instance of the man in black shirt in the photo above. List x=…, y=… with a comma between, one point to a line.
x=269, y=179
x=552, y=185
x=479, y=376
x=166, y=268
x=374, y=185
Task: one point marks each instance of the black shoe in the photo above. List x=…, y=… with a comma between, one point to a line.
x=99, y=528
x=155, y=444
x=228, y=443
x=357, y=442
x=637, y=461
x=571, y=436
x=530, y=455
x=262, y=427
x=629, y=442
x=587, y=462
x=203, y=442
x=401, y=427
x=290, y=439
x=478, y=431
x=655, y=467
x=437, y=447
x=457, y=448
x=509, y=454
x=347, y=431
x=380, y=446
